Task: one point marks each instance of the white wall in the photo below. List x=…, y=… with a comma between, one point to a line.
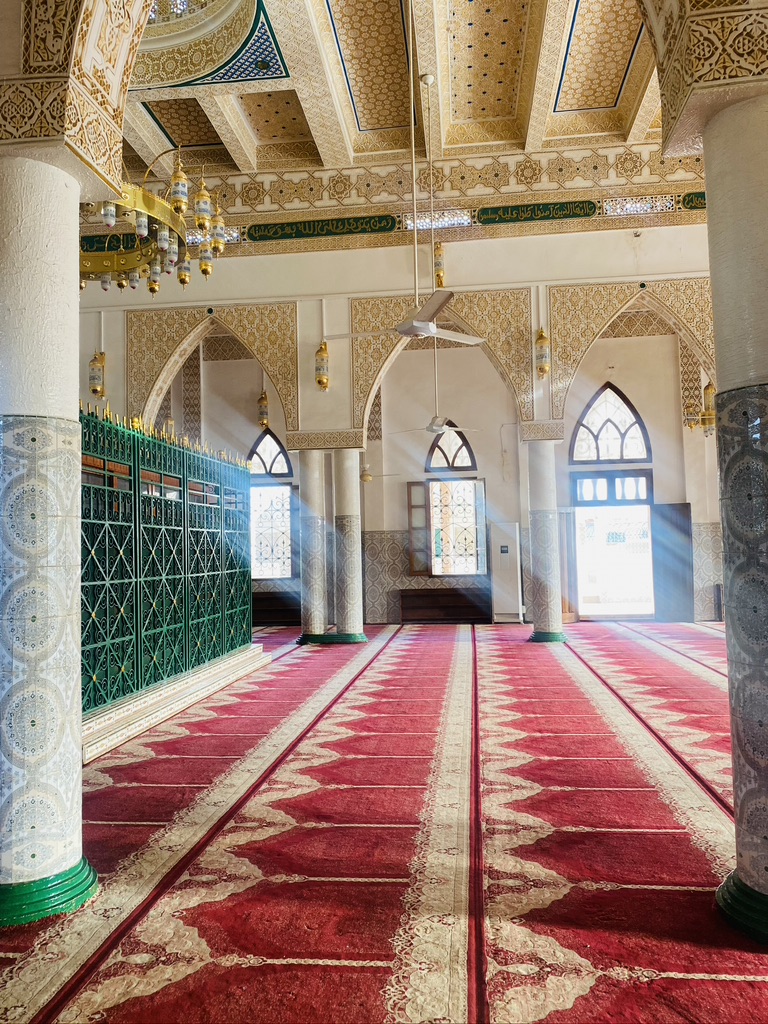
x=339, y=275
x=231, y=390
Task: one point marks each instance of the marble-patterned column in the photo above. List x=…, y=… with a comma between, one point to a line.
x=349, y=549
x=314, y=613
x=735, y=142
x=546, y=599
x=42, y=870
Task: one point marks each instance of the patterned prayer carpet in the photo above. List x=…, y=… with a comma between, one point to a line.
x=447, y=824
x=677, y=684
x=601, y=849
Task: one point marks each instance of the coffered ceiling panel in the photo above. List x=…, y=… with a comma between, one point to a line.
x=371, y=38
x=184, y=122
x=486, y=42
x=276, y=117
x=604, y=35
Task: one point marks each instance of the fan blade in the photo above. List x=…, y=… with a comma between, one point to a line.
x=463, y=339
x=434, y=306
x=425, y=314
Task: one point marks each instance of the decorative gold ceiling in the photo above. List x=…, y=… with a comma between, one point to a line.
x=284, y=99
x=276, y=117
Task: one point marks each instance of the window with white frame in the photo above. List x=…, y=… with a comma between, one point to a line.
x=610, y=430
x=446, y=515
x=273, y=519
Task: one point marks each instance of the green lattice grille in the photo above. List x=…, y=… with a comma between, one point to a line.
x=165, y=560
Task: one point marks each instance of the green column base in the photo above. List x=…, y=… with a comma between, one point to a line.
x=332, y=638
x=541, y=636
x=744, y=907
x=24, y=902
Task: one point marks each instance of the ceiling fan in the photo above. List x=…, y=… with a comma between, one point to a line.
x=421, y=321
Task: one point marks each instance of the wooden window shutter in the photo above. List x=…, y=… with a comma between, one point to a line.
x=419, y=556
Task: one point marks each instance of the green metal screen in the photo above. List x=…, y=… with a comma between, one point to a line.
x=165, y=560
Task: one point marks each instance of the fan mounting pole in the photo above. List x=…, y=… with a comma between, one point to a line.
x=411, y=99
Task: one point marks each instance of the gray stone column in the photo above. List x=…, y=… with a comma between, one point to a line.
x=735, y=142
x=546, y=599
x=314, y=614
x=42, y=870
x=349, y=554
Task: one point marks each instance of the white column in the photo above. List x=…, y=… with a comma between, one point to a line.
x=349, y=555
x=735, y=142
x=546, y=599
x=314, y=615
x=40, y=687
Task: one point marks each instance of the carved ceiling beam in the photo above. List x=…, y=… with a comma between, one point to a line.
x=646, y=112
x=227, y=116
x=428, y=62
x=541, y=71
x=144, y=134
x=309, y=47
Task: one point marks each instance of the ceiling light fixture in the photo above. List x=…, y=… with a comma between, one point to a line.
x=158, y=243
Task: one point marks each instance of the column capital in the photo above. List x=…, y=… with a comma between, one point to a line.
x=709, y=57
x=64, y=92
x=542, y=430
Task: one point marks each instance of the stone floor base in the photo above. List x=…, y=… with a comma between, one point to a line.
x=106, y=729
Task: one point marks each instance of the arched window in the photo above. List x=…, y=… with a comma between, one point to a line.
x=450, y=453
x=268, y=457
x=273, y=515
x=446, y=517
x=610, y=430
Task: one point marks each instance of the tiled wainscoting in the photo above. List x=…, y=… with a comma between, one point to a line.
x=385, y=570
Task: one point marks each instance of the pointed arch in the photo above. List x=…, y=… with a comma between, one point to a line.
x=609, y=429
x=502, y=316
x=450, y=452
x=580, y=314
x=261, y=329
x=270, y=456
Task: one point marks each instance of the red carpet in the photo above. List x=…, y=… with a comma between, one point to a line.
x=601, y=853
x=382, y=834
x=306, y=906
x=147, y=803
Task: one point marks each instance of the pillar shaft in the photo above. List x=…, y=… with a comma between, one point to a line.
x=546, y=600
x=314, y=615
x=41, y=867
x=738, y=222
x=349, y=558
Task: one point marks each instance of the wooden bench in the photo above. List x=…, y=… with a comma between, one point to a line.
x=447, y=604
x=276, y=608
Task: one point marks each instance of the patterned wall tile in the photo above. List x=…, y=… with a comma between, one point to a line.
x=707, y=567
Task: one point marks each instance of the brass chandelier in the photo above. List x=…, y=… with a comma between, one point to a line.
x=157, y=245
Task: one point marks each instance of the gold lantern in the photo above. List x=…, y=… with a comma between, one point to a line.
x=543, y=354
x=439, y=266
x=262, y=409
x=322, y=378
x=96, y=374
